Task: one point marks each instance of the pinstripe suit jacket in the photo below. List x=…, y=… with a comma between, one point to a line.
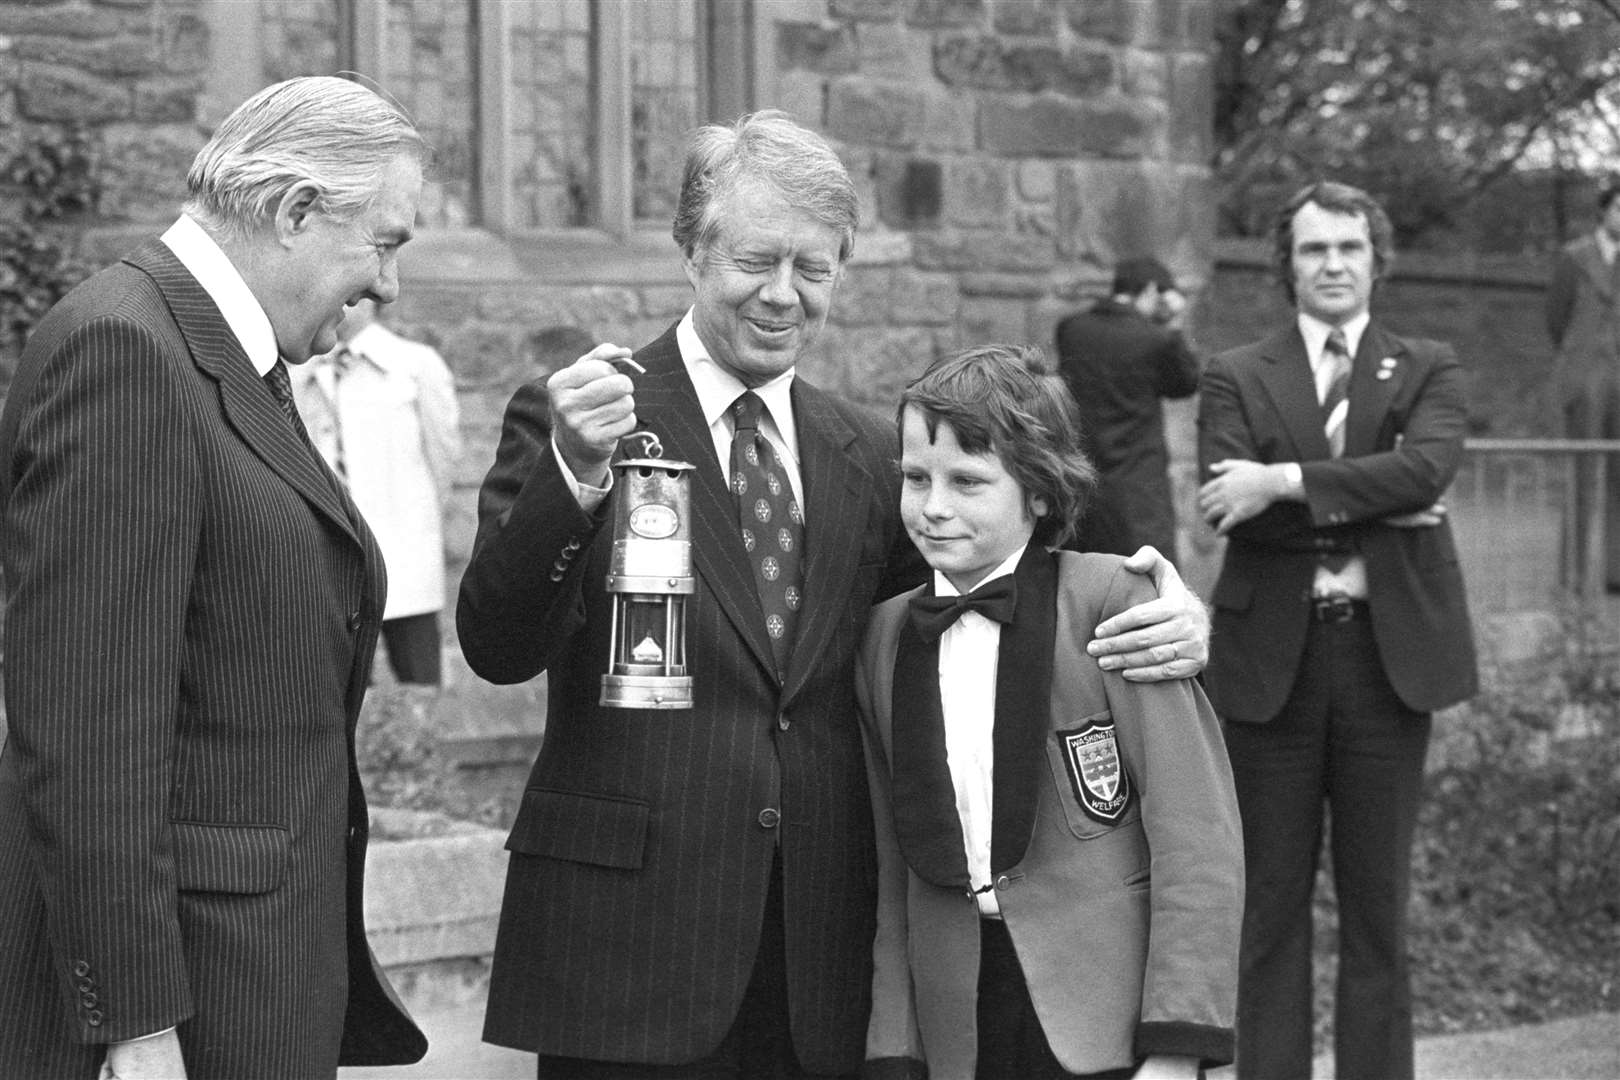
x=193, y=607
x=640, y=857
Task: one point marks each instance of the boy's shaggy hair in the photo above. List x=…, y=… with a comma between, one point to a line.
x=1001, y=399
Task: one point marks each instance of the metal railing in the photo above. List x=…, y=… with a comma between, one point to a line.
x=1533, y=519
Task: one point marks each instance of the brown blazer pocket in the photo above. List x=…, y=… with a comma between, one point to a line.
x=244, y=859
x=602, y=830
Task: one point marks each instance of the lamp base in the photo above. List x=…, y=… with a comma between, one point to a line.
x=647, y=691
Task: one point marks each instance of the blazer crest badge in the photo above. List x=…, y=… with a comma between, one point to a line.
x=1101, y=784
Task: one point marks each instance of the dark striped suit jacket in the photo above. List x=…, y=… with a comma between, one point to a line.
x=641, y=856
x=193, y=608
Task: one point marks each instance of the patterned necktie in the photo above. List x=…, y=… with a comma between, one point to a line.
x=1336, y=401
x=1335, y=409
x=772, y=525
x=933, y=615
x=280, y=384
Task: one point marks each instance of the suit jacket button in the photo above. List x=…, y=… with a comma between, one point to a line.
x=94, y=1018
x=89, y=1000
x=81, y=968
x=1002, y=882
x=769, y=817
x=556, y=575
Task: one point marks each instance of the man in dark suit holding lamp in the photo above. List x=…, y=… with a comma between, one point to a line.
x=693, y=892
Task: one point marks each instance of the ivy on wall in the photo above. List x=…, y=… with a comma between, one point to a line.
x=48, y=175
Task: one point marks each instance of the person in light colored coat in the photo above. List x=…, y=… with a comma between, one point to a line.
x=382, y=411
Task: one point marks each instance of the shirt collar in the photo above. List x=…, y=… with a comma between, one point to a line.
x=1315, y=332
x=214, y=271
x=943, y=586
x=1606, y=246
x=718, y=388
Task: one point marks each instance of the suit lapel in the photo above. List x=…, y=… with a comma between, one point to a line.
x=925, y=818
x=1286, y=377
x=667, y=405
x=1371, y=390
x=836, y=509
x=248, y=405
x=1023, y=704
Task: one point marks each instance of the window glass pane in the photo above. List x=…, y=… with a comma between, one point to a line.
x=665, y=102
x=299, y=37
x=553, y=177
x=428, y=66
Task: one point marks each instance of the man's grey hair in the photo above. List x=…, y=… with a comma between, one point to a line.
x=764, y=147
x=338, y=134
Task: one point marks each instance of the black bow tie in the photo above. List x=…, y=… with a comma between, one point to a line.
x=933, y=615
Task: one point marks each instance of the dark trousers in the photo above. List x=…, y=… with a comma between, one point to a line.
x=759, y=1045
x=1344, y=740
x=412, y=644
x=1592, y=411
x=1012, y=1044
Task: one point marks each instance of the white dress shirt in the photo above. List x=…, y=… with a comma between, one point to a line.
x=1350, y=579
x=214, y=271
x=969, y=651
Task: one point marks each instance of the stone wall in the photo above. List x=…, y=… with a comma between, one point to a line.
x=131, y=71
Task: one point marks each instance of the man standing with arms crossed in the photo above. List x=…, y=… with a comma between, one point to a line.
x=1340, y=626
x=692, y=893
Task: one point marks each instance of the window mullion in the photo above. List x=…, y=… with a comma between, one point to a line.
x=368, y=32
x=613, y=154
x=494, y=113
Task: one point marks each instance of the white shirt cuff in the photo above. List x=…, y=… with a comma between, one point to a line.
x=588, y=496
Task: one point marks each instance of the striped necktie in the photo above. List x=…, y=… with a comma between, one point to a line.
x=280, y=384
x=1335, y=408
x=1336, y=400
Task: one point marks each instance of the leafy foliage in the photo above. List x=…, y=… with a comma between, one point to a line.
x=1426, y=103
x=402, y=765
x=1515, y=914
x=47, y=175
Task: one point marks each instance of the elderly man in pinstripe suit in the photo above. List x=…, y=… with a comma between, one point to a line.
x=193, y=608
x=692, y=893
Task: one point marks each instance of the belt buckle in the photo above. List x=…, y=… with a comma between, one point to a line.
x=1334, y=609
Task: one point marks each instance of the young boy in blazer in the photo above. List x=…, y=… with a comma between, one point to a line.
x=1060, y=856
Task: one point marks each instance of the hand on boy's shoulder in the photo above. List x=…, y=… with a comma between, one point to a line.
x=1164, y=638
